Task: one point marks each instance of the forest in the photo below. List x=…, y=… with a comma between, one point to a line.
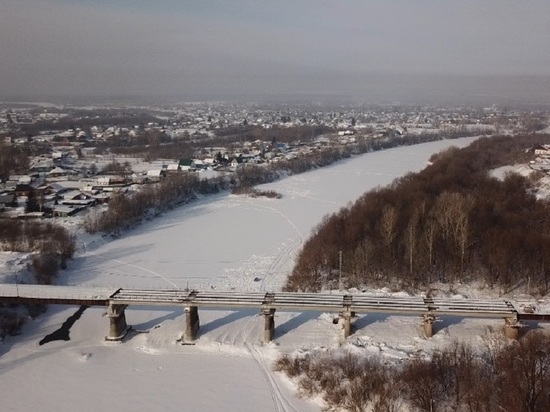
x=450, y=223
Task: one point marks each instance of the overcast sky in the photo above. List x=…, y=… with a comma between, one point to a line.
x=384, y=48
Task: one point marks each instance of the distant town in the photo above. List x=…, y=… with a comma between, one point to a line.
x=57, y=161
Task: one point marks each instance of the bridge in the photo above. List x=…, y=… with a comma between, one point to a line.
x=346, y=305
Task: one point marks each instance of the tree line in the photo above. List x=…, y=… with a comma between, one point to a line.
x=125, y=210
x=451, y=222
x=12, y=159
x=496, y=377
x=51, y=244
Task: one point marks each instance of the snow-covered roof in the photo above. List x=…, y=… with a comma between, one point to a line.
x=71, y=194
x=57, y=170
x=54, y=185
x=63, y=209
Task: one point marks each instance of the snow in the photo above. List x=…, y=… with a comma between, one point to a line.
x=222, y=242
x=542, y=186
x=501, y=172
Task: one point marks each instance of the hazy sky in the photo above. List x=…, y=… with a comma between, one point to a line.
x=254, y=47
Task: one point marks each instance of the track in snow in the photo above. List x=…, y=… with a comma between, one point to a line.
x=125, y=264
x=282, y=404
x=286, y=253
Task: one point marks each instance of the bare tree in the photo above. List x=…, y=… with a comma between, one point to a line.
x=452, y=213
x=388, y=227
x=462, y=228
x=411, y=239
x=525, y=374
x=429, y=237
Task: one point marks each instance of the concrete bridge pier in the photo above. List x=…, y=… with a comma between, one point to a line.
x=347, y=316
x=427, y=322
x=117, y=322
x=192, y=323
x=511, y=327
x=269, y=325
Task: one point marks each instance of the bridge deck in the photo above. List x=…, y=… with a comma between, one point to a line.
x=72, y=295
x=465, y=307
x=42, y=294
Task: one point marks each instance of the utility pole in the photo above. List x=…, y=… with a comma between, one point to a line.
x=340, y=271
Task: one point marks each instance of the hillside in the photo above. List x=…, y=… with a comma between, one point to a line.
x=453, y=222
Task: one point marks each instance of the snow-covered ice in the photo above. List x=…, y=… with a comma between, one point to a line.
x=222, y=242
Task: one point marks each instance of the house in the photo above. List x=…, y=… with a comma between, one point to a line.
x=281, y=147
x=542, y=150
x=49, y=193
x=7, y=200
x=191, y=164
x=18, y=179
x=173, y=168
x=209, y=161
x=56, y=173
x=24, y=180
x=60, y=155
x=103, y=181
x=101, y=198
x=65, y=210
x=155, y=174
x=197, y=164
x=10, y=185
x=43, y=166
x=89, y=189
x=77, y=198
x=31, y=215
x=20, y=140
x=51, y=189
x=24, y=190
x=138, y=178
x=185, y=164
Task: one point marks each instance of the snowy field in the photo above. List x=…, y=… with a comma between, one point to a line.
x=224, y=242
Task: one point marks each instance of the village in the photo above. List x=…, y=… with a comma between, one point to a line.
x=78, y=157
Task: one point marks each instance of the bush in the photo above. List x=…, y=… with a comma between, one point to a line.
x=252, y=192
x=45, y=268
x=456, y=378
x=343, y=380
x=10, y=322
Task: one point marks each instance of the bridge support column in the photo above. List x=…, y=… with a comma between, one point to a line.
x=511, y=328
x=117, y=319
x=428, y=321
x=269, y=325
x=347, y=323
x=192, y=323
